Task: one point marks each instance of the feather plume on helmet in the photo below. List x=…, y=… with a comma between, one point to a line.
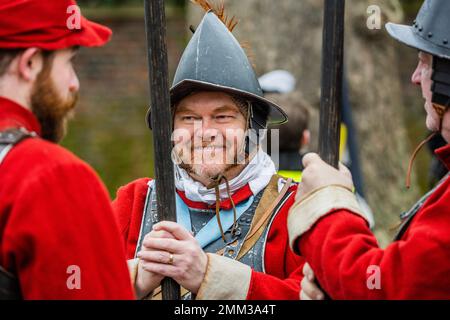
x=218, y=8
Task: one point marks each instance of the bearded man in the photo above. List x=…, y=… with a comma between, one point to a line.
x=55, y=215
x=230, y=240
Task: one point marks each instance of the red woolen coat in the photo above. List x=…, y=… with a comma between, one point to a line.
x=345, y=255
x=283, y=268
x=55, y=213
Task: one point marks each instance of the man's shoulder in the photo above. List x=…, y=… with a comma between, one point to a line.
x=289, y=197
x=129, y=205
x=35, y=156
x=136, y=185
x=134, y=191
x=441, y=194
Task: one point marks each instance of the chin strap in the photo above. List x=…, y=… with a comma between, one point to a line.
x=215, y=184
x=414, y=155
x=440, y=110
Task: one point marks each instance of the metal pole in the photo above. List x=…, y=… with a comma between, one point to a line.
x=332, y=70
x=161, y=122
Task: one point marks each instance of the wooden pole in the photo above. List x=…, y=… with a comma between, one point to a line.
x=332, y=70
x=155, y=23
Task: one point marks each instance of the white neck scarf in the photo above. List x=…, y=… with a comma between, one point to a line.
x=256, y=174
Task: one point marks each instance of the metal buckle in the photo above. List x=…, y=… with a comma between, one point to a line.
x=232, y=237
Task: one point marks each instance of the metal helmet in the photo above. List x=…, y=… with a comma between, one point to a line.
x=215, y=61
x=429, y=32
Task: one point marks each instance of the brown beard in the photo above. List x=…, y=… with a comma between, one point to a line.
x=49, y=107
x=236, y=162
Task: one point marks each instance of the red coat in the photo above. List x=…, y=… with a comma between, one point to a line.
x=341, y=250
x=283, y=268
x=55, y=213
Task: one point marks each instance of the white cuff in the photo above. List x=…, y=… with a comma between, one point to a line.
x=133, y=269
x=225, y=279
x=303, y=215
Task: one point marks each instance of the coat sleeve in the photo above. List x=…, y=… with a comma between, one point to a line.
x=63, y=240
x=228, y=279
x=349, y=264
x=268, y=287
x=128, y=209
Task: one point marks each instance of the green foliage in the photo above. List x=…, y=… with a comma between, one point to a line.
x=411, y=7
x=113, y=139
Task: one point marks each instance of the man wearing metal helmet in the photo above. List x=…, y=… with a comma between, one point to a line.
x=231, y=240
x=327, y=227
x=56, y=222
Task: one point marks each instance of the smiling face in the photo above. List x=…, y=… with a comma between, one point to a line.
x=209, y=133
x=422, y=77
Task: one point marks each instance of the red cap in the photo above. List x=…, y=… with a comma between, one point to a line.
x=48, y=25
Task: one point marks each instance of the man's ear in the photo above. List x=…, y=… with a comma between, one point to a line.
x=305, y=138
x=30, y=64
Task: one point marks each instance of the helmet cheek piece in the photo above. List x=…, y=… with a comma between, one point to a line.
x=257, y=126
x=441, y=86
x=148, y=117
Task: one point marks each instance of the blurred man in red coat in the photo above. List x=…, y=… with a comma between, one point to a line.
x=58, y=237
x=327, y=227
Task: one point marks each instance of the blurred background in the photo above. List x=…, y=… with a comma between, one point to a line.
x=110, y=133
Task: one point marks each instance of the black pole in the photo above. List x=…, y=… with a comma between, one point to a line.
x=155, y=23
x=332, y=70
x=352, y=140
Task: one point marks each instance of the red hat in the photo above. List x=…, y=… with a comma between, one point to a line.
x=48, y=25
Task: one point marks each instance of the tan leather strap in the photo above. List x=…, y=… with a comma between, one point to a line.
x=440, y=110
x=269, y=210
x=269, y=201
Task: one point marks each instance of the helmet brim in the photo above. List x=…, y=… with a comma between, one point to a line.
x=406, y=35
x=276, y=116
